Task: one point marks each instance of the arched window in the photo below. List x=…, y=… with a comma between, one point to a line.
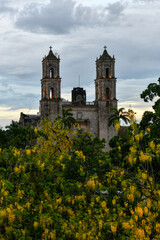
x=107, y=72
x=44, y=92
x=51, y=73
x=51, y=93
x=107, y=93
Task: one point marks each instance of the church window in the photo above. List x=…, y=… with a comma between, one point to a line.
x=44, y=92
x=107, y=72
x=79, y=115
x=107, y=93
x=52, y=93
x=51, y=73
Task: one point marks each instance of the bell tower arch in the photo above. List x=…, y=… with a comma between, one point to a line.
x=50, y=104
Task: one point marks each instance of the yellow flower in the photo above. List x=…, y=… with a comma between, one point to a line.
x=131, y=211
x=80, y=154
x=121, y=213
x=106, y=210
x=119, y=148
x=130, y=197
x=28, y=204
x=35, y=224
x=4, y=192
x=137, y=137
x=144, y=157
x=8, y=229
x=11, y=217
x=148, y=230
x=114, y=228
x=152, y=145
x=59, y=200
x=158, y=227
x=97, y=199
x=140, y=233
x=34, y=149
x=35, y=130
x=28, y=151
x=52, y=235
x=23, y=232
x=89, y=211
x=100, y=224
x=133, y=150
x=148, y=203
x=16, y=152
x=3, y=213
x=139, y=211
x=126, y=225
x=103, y=204
x=144, y=176
x=117, y=126
x=148, y=130
x=114, y=201
x=132, y=189
x=63, y=166
x=91, y=184
x=136, y=217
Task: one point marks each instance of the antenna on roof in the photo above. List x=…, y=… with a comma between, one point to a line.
x=79, y=81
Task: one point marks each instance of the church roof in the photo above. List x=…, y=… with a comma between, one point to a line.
x=51, y=55
x=105, y=55
x=30, y=116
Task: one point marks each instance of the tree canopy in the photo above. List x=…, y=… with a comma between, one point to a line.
x=53, y=191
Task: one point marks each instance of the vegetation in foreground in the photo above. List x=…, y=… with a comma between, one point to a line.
x=66, y=187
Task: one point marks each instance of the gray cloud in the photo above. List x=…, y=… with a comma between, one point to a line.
x=5, y=9
x=61, y=17
x=18, y=101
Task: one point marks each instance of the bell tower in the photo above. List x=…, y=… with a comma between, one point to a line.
x=105, y=93
x=105, y=83
x=50, y=104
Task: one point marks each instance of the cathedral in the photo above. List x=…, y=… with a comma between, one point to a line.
x=91, y=116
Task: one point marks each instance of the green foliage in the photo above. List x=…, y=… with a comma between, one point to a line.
x=118, y=114
x=152, y=119
x=16, y=136
x=54, y=190
x=92, y=148
x=67, y=118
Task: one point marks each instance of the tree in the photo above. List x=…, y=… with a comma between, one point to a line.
x=40, y=201
x=151, y=119
x=92, y=148
x=118, y=114
x=67, y=118
x=3, y=138
x=18, y=137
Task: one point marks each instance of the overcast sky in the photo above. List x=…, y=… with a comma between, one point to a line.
x=77, y=30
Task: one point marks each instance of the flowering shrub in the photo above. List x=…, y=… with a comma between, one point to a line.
x=47, y=191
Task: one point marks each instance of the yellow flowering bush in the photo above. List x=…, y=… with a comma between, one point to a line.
x=54, y=191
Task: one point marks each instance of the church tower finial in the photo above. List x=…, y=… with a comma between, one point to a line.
x=105, y=47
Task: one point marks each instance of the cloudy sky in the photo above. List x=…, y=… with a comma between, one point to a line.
x=77, y=30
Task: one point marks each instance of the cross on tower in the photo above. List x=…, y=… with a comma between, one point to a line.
x=50, y=48
x=105, y=47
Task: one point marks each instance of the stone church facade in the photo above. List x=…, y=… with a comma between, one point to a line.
x=92, y=116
